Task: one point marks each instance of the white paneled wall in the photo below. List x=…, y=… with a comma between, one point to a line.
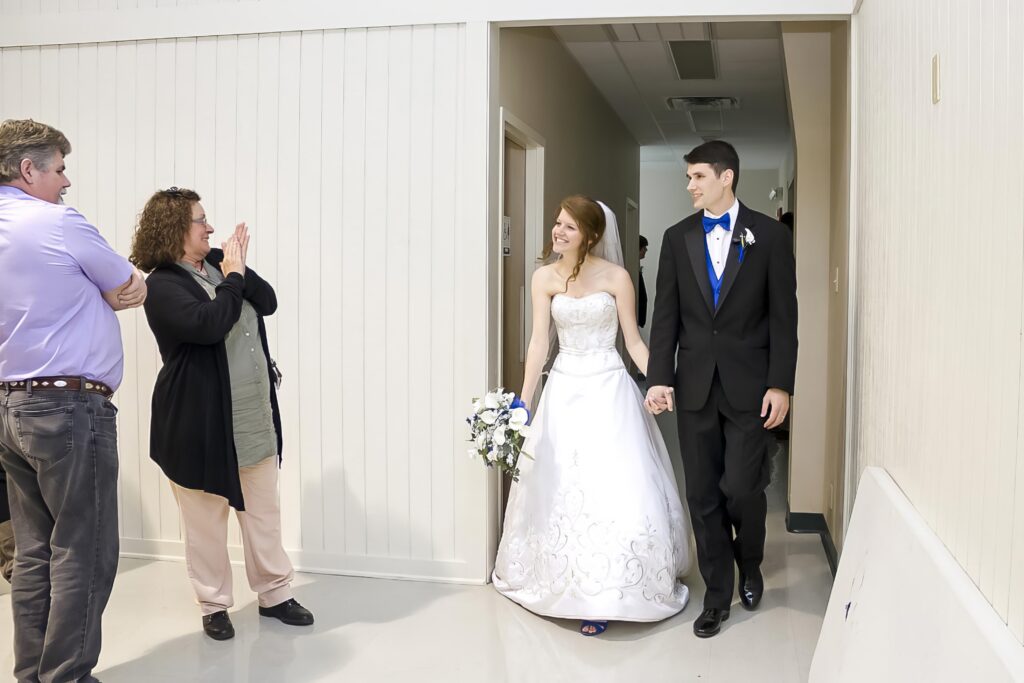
x=344, y=151
x=939, y=209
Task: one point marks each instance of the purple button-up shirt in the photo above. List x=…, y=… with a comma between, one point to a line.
x=54, y=267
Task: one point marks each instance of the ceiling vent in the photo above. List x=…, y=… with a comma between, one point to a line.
x=704, y=113
x=694, y=59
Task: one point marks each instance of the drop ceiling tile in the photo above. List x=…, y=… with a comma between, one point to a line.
x=625, y=32
x=648, y=32
x=582, y=34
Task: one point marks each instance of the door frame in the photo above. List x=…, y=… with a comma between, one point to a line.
x=519, y=132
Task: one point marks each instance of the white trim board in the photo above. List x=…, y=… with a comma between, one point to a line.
x=902, y=608
x=323, y=563
x=272, y=16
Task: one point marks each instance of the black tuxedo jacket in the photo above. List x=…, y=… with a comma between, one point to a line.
x=750, y=337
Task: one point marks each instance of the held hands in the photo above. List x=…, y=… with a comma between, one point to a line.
x=235, y=251
x=775, y=407
x=133, y=293
x=659, y=399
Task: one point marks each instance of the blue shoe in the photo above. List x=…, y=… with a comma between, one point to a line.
x=598, y=627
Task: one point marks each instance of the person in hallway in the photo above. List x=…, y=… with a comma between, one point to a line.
x=788, y=220
x=60, y=362
x=641, y=304
x=641, y=307
x=723, y=337
x=216, y=426
x=594, y=528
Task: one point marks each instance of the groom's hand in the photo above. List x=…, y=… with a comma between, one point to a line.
x=659, y=399
x=775, y=407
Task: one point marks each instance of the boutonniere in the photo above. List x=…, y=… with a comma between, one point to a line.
x=745, y=238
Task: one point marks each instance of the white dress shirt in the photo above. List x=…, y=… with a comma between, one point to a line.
x=720, y=239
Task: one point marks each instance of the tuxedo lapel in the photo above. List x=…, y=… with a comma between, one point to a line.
x=732, y=263
x=696, y=248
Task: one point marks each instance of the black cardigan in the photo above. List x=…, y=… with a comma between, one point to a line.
x=191, y=436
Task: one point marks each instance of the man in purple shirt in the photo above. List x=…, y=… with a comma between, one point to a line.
x=60, y=362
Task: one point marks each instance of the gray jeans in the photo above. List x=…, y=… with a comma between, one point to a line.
x=59, y=449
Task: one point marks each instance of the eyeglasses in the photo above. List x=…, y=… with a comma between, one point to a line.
x=173, y=191
x=200, y=221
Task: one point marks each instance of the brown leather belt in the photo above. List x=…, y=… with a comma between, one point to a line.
x=58, y=384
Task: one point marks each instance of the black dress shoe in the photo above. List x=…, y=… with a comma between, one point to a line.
x=709, y=622
x=751, y=589
x=218, y=626
x=290, y=612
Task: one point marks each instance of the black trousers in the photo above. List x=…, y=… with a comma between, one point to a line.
x=725, y=456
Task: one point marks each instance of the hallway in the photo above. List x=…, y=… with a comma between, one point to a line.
x=380, y=630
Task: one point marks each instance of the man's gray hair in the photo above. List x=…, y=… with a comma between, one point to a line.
x=27, y=139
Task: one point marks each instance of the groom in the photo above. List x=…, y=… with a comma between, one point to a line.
x=723, y=338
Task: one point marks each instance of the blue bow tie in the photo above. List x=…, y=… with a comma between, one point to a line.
x=710, y=223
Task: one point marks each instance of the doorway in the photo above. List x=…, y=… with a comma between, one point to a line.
x=520, y=242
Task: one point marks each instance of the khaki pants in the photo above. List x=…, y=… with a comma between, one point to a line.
x=205, y=516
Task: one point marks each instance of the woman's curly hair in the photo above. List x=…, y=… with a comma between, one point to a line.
x=163, y=224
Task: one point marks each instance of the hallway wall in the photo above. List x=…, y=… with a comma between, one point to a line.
x=588, y=149
x=937, y=347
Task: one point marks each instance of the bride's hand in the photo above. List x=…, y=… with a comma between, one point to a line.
x=659, y=399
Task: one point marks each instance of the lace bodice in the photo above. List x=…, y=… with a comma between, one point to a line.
x=584, y=324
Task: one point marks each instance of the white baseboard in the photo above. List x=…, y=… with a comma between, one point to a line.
x=902, y=608
x=438, y=571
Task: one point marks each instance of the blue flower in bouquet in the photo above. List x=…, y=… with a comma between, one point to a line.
x=519, y=403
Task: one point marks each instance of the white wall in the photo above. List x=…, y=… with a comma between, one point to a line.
x=902, y=609
x=664, y=202
x=755, y=184
x=344, y=152
x=939, y=242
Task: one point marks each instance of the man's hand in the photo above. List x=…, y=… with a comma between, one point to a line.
x=775, y=407
x=133, y=293
x=659, y=399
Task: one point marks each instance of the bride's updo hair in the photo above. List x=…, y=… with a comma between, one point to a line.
x=589, y=217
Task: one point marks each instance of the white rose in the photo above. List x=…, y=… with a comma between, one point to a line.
x=481, y=440
x=499, y=437
x=525, y=430
x=489, y=417
x=477, y=405
x=491, y=401
x=518, y=417
x=492, y=455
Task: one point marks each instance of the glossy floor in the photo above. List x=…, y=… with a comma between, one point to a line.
x=380, y=630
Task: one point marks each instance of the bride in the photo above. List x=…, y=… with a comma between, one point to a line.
x=594, y=528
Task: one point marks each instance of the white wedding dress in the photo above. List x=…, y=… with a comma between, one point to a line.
x=594, y=528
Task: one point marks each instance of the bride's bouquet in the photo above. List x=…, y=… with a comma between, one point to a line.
x=498, y=428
